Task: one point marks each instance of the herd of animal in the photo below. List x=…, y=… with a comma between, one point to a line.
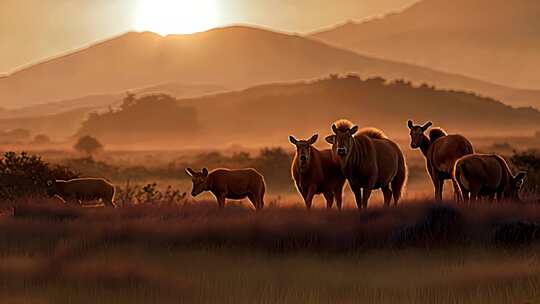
x=365, y=158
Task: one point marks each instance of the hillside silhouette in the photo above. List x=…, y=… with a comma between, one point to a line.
x=60, y=119
x=495, y=40
x=151, y=118
x=269, y=113
x=235, y=57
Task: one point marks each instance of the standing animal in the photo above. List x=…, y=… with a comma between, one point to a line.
x=83, y=189
x=369, y=161
x=441, y=152
x=315, y=172
x=230, y=184
x=487, y=175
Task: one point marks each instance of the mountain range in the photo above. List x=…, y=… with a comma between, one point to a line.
x=494, y=40
x=233, y=57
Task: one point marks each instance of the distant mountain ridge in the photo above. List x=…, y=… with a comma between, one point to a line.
x=235, y=57
x=494, y=40
x=267, y=114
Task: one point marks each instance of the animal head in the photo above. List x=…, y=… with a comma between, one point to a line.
x=417, y=133
x=342, y=139
x=52, y=188
x=516, y=183
x=199, y=179
x=303, y=150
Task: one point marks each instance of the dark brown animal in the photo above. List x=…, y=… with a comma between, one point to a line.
x=315, y=172
x=369, y=160
x=83, y=189
x=230, y=184
x=441, y=152
x=487, y=175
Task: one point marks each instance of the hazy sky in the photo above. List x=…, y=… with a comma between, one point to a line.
x=32, y=30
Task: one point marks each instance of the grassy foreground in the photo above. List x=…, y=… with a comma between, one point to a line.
x=197, y=254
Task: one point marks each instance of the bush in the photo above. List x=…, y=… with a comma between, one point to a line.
x=27, y=175
x=149, y=194
x=529, y=161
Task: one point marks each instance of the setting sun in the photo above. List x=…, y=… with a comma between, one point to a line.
x=176, y=16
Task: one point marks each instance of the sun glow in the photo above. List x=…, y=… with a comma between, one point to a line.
x=176, y=16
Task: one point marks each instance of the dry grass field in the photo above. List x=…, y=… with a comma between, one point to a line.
x=419, y=252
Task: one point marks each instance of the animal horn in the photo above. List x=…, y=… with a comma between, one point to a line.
x=410, y=124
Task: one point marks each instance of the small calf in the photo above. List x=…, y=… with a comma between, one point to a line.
x=230, y=184
x=83, y=189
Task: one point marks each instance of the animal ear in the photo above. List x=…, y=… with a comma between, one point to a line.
x=190, y=171
x=334, y=128
x=427, y=125
x=293, y=140
x=354, y=130
x=331, y=139
x=313, y=139
x=410, y=124
x=205, y=171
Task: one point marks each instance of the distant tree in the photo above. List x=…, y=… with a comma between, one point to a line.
x=41, y=139
x=129, y=101
x=88, y=144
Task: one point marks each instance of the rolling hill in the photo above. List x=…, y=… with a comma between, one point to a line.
x=61, y=119
x=494, y=40
x=235, y=57
x=267, y=114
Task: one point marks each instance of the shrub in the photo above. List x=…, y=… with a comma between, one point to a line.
x=529, y=161
x=88, y=145
x=27, y=175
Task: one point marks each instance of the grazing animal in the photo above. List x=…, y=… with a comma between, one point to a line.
x=487, y=175
x=230, y=184
x=441, y=152
x=83, y=189
x=315, y=172
x=369, y=161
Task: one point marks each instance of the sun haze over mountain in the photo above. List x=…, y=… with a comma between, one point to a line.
x=494, y=40
x=234, y=57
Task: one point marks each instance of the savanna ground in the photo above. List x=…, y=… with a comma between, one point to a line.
x=416, y=253
x=187, y=251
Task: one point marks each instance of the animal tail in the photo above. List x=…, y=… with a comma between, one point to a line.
x=459, y=169
x=400, y=180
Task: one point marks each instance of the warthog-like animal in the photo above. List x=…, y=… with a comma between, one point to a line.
x=83, y=189
x=315, y=172
x=441, y=152
x=230, y=184
x=369, y=161
x=487, y=175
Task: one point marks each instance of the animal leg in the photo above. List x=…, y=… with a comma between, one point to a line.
x=365, y=197
x=109, y=203
x=338, y=194
x=256, y=201
x=357, y=196
x=309, y=197
x=438, y=183
x=387, y=193
x=221, y=200
x=329, y=196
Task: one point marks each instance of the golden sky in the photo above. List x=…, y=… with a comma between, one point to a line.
x=33, y=30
